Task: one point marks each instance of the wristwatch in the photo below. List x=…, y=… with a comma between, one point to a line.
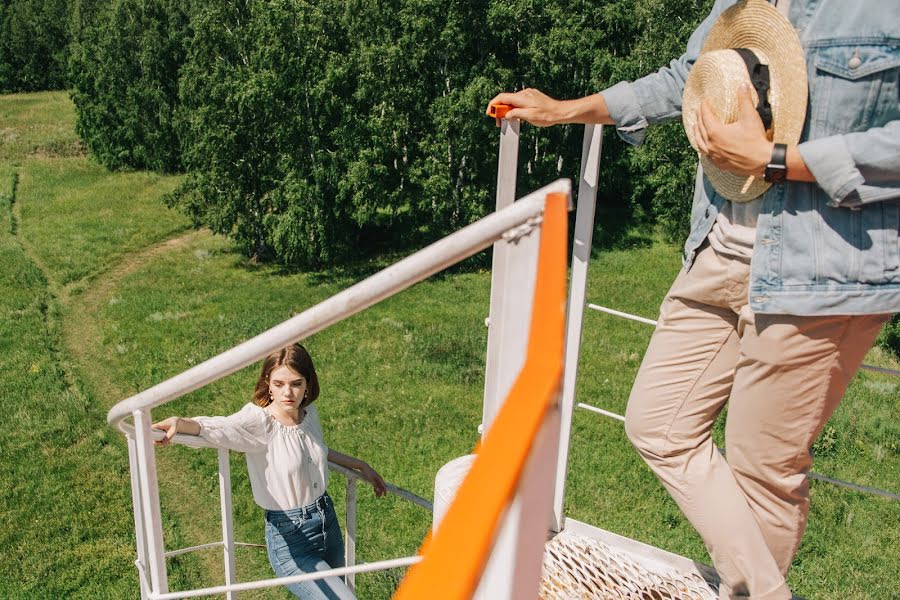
x=776, y=170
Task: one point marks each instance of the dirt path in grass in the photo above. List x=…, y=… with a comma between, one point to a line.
x=80, y=327
x=81, y=314
x=82, y=339
x=74, y=316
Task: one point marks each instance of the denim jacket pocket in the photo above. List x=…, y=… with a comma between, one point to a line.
x=879, y=256
x=855, y=87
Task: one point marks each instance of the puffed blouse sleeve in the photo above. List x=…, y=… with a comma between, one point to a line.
x=315, y=426
x=247, y=430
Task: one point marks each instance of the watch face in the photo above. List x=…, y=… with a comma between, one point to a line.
x=775, y=173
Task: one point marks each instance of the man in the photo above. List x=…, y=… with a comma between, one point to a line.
x=780, y=296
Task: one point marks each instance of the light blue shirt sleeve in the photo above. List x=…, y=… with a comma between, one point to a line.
x=656, y=98
x=857, y=168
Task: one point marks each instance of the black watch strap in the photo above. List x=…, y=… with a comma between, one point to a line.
x=776, y=170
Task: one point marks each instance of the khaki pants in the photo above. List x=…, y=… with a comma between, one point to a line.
x=782, y=376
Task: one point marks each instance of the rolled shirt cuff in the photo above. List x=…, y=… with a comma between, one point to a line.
x=625, y=111
x=831, y=163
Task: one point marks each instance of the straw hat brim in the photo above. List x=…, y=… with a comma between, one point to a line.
x=759, y=26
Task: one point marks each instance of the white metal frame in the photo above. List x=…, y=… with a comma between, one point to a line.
x=581, y=252
x=501, y=320
x=581, y=255
x=513, y=571
x=514, y=230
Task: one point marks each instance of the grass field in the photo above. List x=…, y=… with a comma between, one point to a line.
x=103, y=292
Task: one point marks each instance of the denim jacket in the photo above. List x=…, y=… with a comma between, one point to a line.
x=829, y=247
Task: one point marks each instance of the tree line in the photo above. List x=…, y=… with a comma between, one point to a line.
x=310, y=130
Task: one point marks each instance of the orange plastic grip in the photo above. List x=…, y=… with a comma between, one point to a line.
x=498, y=111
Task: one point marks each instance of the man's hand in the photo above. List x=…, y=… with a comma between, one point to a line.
x=741, y=147
x=532, y=106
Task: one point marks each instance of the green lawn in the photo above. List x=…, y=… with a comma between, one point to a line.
x=80, y=219
x=66, y=531
x=37, y=125
x=99, y=308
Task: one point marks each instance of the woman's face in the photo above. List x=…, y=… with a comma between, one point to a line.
x=287, y=388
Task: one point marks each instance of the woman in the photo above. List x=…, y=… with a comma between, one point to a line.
x=287, y=460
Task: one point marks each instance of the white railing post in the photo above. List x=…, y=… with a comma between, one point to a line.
x=581, y=255
x=506, y=195
x=516, y=228
x=227, y=520
x=140, y=539
x=146, y=459
x=513, y=570
x=350, y=544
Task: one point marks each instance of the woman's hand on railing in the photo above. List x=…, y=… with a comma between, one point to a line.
x=174, y=425
x=372, y=476
x=362, y=467
x=169, y=426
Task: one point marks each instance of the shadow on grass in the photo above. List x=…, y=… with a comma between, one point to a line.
x=379, y=248
x=371, y=256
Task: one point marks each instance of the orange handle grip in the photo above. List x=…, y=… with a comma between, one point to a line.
x=498, y=111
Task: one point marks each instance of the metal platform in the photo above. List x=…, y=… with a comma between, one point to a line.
x=584, y=562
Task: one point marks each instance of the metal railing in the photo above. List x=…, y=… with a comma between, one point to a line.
x=229, y=545
x=514, y=227
x=812, y=475
x=494, y=533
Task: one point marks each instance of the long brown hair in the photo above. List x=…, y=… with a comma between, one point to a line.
x=297, y=358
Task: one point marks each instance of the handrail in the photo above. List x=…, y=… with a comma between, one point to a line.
x=403, y=274
x=391, y=488
x=512, y=225
x=281, y=581
x=467, y=531
x=631, y=317
x=193, y=441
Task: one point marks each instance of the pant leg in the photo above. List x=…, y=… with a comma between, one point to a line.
x=334, y=544
x=790, y=377
x=303, y=548
x=683, y=383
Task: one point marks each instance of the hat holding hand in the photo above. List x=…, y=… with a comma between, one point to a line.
x=752, y=44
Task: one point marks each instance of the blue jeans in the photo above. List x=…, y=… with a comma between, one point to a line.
x=306, y=540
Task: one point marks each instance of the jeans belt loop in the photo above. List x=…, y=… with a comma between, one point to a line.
x=321, y=508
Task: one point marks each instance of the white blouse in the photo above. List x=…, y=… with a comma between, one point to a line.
x=288, y=465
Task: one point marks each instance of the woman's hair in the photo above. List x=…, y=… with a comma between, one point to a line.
x=297, y=358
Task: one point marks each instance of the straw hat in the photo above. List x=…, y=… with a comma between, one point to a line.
x=757, y=26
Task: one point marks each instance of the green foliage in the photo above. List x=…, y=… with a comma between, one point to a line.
x=310, y=130
x=33, y=45
x=889, y=338
x=124, y=68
